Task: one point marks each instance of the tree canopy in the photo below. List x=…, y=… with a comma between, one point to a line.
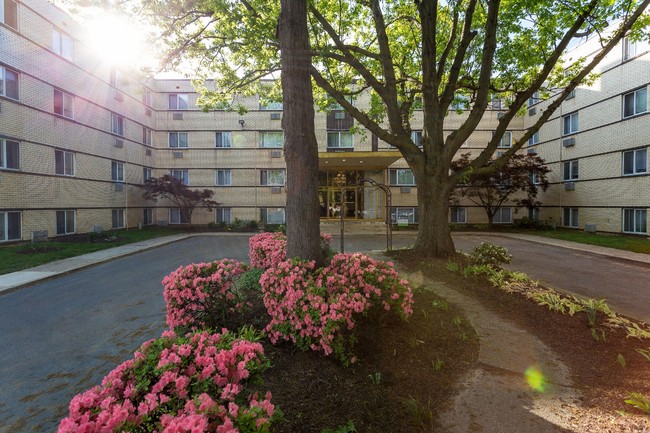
x=429, y=55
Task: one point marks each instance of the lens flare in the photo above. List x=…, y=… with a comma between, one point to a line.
x=535, y=379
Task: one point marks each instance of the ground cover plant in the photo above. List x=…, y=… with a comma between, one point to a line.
x=605, y=352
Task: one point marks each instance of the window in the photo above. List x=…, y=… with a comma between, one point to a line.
x=458, y=215
x=635, y=102
x=635, y=221
x=146, y=174
x=9, y=154
x=223, y=215
x=178, y=101
x=570, y=123
x=533, y=213
x=503, y=215
x=272, y=215
x=399, y=214
x=223, y=140
x=117, y=124
x=65, y=222
x=224, y=177
x=62, y=44
x=117, y=218
x=570, y=170
x=629, y=48
x=177, y=217
x=533, y=99
x=570, y=217
x=182, y=175
x=635, y=162
x=535, y=178
x=416, y=137
x=271, y=139
x=10, y=226
x=178, y=139
x=147, y=96
x=401, y=176
x=147, y=217
x=506, y=140
x=534, y=139
x=64, y=163
x=8, y=83
x=340, y=139
x=272, y=177
x=9, y=14
x=63, y=103
x=117, y=171
x=147, y=135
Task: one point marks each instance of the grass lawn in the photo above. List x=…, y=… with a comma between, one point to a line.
x=23, y=256
x=628, y=243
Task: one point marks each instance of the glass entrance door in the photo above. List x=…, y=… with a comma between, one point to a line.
x=340, y=194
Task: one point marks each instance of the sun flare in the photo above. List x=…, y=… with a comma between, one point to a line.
x=118, y=40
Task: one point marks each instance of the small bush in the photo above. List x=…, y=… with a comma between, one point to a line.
x=489, y=254
x=250, y=280
x=202, y=295
x=179, y=384
x=268, y=249
x=316, y=308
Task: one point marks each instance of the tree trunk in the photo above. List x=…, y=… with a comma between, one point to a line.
x=301, y=147
x=434, y=237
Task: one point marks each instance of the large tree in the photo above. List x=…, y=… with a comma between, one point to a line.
x=300, y=145
x=410, y=54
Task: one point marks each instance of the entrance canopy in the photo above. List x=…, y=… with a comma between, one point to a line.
x=357, y=160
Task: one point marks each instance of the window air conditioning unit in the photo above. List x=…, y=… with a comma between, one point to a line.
x=119, y=143
x=177, y=154
x=532, y=111
x=276, y=154
x=569, y=186
x=339, y=115
x=177, y=116
x=532, y=151
x=591, y=228
x=147, y=112
x=119, y=186
x=276, y=116
x=276, y=190
x=568, y=142
x=147, y=152
x=405, y=190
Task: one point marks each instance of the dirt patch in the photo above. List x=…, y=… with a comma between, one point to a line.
x=406, y=372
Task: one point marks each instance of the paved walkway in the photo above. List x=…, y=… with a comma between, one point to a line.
x=27, y=277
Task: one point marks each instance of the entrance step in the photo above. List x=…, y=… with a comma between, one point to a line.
x=353, y=227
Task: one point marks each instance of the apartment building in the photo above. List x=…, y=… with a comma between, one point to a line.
x=597, y=145
x=78, y=138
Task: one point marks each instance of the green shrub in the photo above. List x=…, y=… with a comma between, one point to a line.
x=489, y=254
x=250, y=280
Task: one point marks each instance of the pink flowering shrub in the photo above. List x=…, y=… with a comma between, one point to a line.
x=317, y=309
x=267, y=250
x=196, y=383
x=201, y=295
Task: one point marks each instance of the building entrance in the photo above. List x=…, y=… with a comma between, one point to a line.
x=359, y=202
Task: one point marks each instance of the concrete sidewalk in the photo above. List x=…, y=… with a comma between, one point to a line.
x=27, y=277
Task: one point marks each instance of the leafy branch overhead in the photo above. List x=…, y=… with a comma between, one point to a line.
x=468, y=57
x=174, y=190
